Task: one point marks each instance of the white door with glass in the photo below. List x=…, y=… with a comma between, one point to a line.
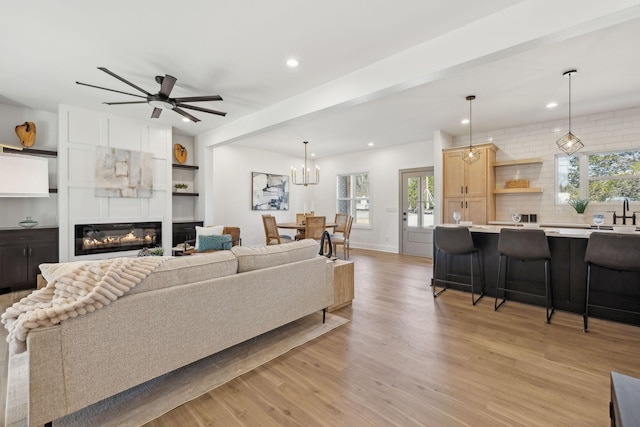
x=417, y=203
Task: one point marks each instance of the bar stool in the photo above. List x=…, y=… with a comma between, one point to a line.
x=456, y=241
x=613, y=251
x=524, y=245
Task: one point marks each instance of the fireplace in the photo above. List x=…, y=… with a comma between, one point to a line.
x=115, y=237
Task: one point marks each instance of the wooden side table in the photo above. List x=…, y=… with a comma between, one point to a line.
x=343, y=290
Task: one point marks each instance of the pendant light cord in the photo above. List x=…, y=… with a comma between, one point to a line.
x=570, y=102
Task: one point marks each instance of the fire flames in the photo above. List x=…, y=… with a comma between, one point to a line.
x=112, y=241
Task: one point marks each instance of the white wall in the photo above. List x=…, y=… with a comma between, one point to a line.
x=383, y=166
x=80, y=132
x=231, y=189
x=44, y=210
x=608, y=131
x=230, y=196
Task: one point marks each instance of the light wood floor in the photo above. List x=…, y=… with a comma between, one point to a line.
x=406, y=359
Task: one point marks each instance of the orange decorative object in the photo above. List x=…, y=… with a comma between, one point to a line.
x=26, y=133
x=180, y=152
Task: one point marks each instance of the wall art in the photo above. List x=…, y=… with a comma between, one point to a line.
x=269, y=192
x=123, y=173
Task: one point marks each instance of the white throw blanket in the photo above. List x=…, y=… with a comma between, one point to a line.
x=76, y=291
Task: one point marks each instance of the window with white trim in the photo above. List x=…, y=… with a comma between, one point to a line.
x=354, y=197
x=598, y=176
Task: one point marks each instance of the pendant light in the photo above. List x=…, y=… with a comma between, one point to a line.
x=569, y=143
x=471, y=154
x=305, y=171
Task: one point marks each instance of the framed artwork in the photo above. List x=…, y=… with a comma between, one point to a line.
x=123, y=173
x=269, y=192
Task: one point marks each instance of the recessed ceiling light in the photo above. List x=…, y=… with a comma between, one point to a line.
x=313, y=154
x=464, y=121
x=370, y=144
x=292, y=63
x=556, y=130
x=552, y=105
x=184, y=119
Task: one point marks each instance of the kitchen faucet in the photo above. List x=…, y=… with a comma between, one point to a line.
x=624, y=216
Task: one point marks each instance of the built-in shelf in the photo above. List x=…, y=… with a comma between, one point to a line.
x=517, y=190
x=32, y=151
x=186, y=194
x=531, y=161
x=188, y=167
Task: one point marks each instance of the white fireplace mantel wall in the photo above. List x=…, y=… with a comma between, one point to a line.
x=80, y=132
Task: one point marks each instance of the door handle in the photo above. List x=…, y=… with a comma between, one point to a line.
x=461, y=189
x=24, y=252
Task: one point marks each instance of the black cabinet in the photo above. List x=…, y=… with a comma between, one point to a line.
x=21, y=252
x=183, y=231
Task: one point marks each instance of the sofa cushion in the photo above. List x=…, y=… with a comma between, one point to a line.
x=189, y=269
x=214, y=242
x=250, y=259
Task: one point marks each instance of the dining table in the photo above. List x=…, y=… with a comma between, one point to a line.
x=301, y=227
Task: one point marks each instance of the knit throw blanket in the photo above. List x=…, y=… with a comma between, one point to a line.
x=77, y=291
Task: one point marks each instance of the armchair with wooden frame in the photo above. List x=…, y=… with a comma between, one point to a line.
x=271, y=231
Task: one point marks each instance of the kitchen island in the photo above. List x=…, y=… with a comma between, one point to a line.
x=568, y=269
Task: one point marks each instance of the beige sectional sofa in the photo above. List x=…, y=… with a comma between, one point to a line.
x=188, y=308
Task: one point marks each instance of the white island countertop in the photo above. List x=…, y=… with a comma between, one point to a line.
x=549, y=231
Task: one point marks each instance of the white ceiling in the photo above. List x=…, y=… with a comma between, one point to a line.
x=370, y=70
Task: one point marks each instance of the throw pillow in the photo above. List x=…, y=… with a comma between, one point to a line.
x=214, y=242
x=207, y=231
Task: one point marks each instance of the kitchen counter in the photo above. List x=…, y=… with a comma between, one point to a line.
x=568, y=273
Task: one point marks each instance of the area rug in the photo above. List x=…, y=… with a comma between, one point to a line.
x=143, y=403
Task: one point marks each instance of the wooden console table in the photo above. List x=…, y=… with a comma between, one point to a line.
x=343, y=291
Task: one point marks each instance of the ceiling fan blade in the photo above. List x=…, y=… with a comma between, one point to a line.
x=122, y=103
x=112, y=90
x=204, y=110
x=199, y=98
x=112, y=74
x=167, y=85
x=187, y=115
x=156, y=113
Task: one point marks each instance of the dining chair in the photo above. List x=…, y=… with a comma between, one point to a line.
x=341, y=222
x=271, y=231
x=314, y=228
x=338, y=240
x=300, y=217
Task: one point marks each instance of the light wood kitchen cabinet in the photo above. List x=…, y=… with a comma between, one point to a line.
x=467, y=188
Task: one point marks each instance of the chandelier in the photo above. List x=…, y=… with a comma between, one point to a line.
x=471, y=154
x=305, y=172
x=569, y=143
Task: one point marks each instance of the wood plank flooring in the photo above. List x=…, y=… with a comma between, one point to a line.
x=406, y=359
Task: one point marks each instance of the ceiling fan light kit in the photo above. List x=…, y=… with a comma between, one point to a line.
x=161, y=100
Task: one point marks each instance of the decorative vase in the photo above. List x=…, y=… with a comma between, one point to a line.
x=28, y=223
x=581, y=219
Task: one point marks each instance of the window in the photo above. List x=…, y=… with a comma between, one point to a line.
x=600, y=177
x=354, y=198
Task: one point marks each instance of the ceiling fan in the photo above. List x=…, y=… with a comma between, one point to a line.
x=161, y=100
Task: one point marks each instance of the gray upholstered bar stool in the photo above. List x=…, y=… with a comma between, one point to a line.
x=456, y=241
x=613, y=251
x=526, y=246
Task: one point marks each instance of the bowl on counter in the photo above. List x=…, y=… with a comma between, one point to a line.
x=624, y=228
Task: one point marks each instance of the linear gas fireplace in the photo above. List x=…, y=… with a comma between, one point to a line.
x=115, y=237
